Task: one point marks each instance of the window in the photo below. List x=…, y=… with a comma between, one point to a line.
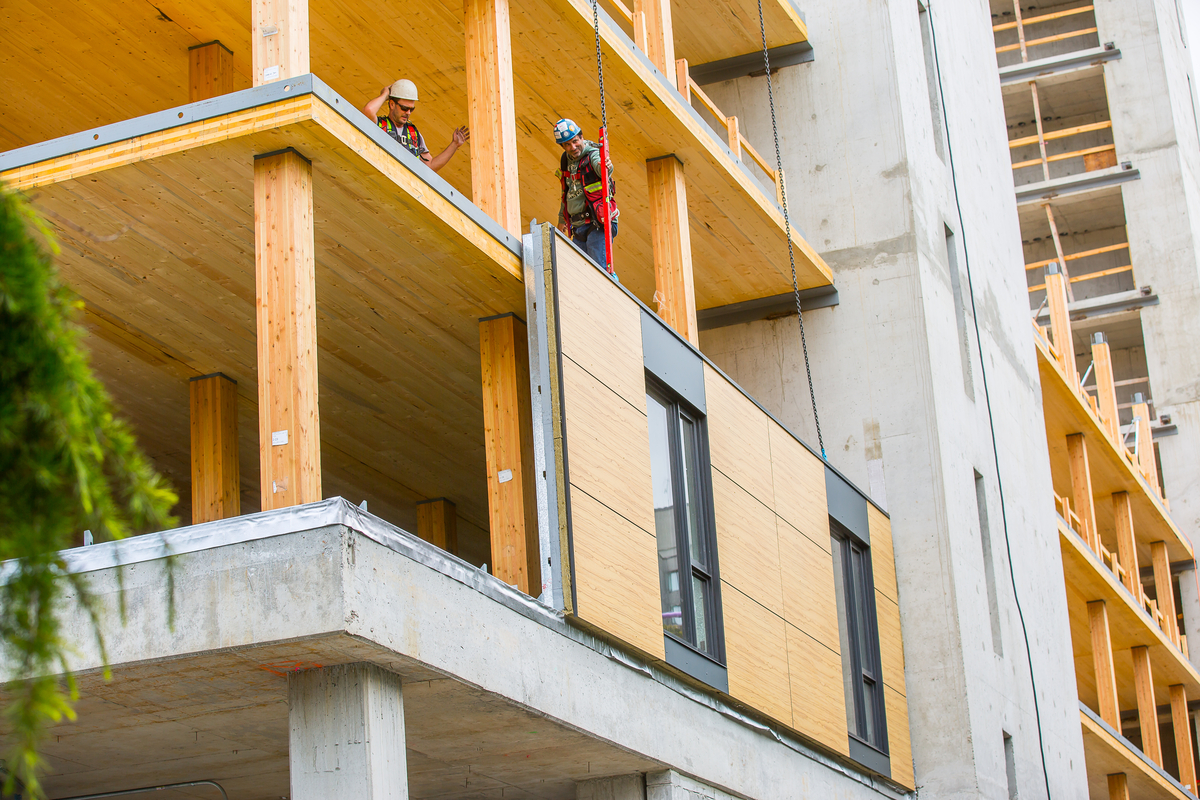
x=989, y=566
x=859, y=637
x=682, y=522
x=1010, y=765
x=960, y=314
x=932, y=81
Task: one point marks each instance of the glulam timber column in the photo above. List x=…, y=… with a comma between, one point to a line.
x=289, y=433
x=1081, y=488
x=654, y=16
x=210, y=71
x=1145, y=440
x=1181, y=724
x=675, y=289
x=1118, y=786
x=216, y=482
x=346, y=734
x=437, y=523
x=1164, y=589
x=1060, y=322
x=1102, y=660
x=278, y=39
x=491, y=112
x=1106, y=387
x=1127, y=544
x=508, y=433
x=1143, y=682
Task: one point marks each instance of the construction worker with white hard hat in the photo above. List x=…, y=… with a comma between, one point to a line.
x=399, y=101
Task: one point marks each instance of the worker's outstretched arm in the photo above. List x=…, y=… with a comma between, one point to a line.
x=371, y=109
x=460, y=137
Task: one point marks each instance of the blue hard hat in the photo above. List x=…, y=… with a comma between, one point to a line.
x=565, y=130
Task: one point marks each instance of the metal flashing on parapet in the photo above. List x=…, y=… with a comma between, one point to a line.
x=665, y=357
x=727, y=69
x=780, y=305
x=847, y=504
x=1031, y=70
x=1074, y=184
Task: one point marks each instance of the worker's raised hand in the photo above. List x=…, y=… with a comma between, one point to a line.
x=461, y=136
x=384, y=91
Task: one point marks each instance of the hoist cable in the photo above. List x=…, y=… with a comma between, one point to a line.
x=599, y=62
x=787, y=223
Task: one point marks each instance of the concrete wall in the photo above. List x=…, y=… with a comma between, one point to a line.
x=1154, y=125
x=898, y=379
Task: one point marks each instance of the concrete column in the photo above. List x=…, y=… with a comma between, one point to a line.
x=346, y=734
x=620, y=787
x=1189, y=593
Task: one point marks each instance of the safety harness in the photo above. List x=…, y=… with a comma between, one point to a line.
x=593, y=189
x=406, y=135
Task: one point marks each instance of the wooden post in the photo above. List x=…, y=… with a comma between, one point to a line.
x=1102, y=659
x=1164, y=589
x=437, y=523
x=1020, y=29
x=1126, y=543
x=289, y=432
x=1118, y=786
x=1106, y=388
x=1060, y=322
x=216, y=486
x=639, y=30
x=491, y=112
x=278, y=39
x=210, y=71
x=734, y=136
x=1143, y=681
x=682, y=79
x=1058, y=250
x=1181, y=722
x=1145, y=439
x=508, y=432
x=1041, y=134
x=670, y=235
x=660, y=38
x=1081, y=489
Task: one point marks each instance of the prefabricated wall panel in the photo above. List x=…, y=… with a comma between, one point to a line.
x=778, y=600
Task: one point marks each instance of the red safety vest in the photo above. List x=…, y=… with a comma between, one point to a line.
x=593, y=188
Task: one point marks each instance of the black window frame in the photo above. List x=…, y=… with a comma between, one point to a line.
x=708, y=570
x=866, y=668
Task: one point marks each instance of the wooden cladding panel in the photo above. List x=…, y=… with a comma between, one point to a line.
x=891, y=648
x=608, y=454
x=798, y=484
x=616, y=579
x=899, y=741
x=756, y=655
x=883, y=560
x=809, y=598
x=747, y=544
x=818, y=702
x=601, y=328
x=738, y=438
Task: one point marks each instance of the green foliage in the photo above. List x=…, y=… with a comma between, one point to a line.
x=66, y=464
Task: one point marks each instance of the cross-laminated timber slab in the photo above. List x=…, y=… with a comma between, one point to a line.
x=737, y=232
x=156, y=224
x=327, y=584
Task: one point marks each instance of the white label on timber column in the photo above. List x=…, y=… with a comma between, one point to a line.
x=271, y=73
x=505, y=475
x=278, y=438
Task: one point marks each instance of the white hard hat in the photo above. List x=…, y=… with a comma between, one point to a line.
x=404, y=89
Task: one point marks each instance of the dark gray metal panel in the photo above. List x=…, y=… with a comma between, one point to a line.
x=870, y=758
x=247, y=99
x=700, y=667
x=847, y=504
x=766, y=307
x=727, y=69
x=1082, y=183
x=1048, y=66
x=672, y=360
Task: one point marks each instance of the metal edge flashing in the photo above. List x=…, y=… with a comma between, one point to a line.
x=1049, y=66
x=725, y=69
x=664, y=358
x=559, y=411
x=846, y=505
x=694, y=663
x=870, y=757
x=747, y=395
x=244, y=100
x=545, y=477
x=1133, y=749
x=1075, y=184
x=766, y=307
x=336, y=512
x=645, y=61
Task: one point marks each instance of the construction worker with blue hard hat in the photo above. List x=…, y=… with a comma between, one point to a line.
x=583, y=191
